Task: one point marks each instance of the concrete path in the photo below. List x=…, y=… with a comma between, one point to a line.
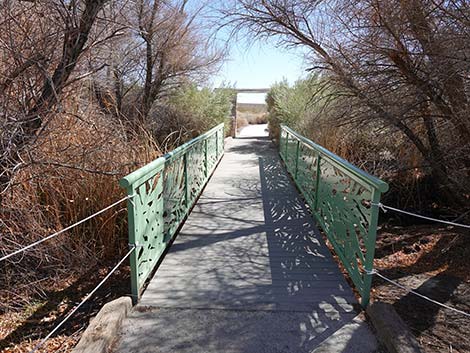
x=255, y=130
x=248, y=273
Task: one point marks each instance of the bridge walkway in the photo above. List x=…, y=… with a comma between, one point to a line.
x=249, y=272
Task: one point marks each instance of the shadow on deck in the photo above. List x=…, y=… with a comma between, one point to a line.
x=248, y=273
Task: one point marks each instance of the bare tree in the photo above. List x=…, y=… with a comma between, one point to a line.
x=72, y=23
x=174, y=50
x=403, y=64
x=165, y=45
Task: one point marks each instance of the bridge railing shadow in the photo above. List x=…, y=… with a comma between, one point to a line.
x=303, y=277
x=287, y=281
x=292, y=231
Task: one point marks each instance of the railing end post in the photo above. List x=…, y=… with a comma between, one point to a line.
x=365, y=299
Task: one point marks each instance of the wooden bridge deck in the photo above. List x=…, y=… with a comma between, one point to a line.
x=248, y=272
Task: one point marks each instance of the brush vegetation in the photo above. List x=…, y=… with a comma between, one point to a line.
x=82, y=106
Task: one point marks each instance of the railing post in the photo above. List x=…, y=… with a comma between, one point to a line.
x=206, y=165
x=217, y=143
x=297, y=159
x=287, y=145
x=223, y=139
x=131, y=219
x=144, y=258
x=186, y=190
x=317, y=181
x=370, y=246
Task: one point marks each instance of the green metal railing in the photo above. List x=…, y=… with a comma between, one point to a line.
x=340, y=196
x=163, y=193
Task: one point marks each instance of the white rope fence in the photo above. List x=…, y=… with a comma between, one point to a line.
x=65, y=229
x=89, y=295
x=375, y=272
x=384, y=208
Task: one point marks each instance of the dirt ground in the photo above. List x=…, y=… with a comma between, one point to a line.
x=21, y=330
x=434, y=261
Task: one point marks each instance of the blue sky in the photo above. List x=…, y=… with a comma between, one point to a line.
x=259, y=65
x=250, y=63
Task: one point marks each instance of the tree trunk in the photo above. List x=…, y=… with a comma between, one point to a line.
x=456, y=106
x=75, y=39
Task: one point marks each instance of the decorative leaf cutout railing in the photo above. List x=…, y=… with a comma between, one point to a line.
x=343, y=199
x=163, y=193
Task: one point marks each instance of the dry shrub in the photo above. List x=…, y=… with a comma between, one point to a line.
x=249, y=117
x=261, y=119
x=324, y=117
x=379, y=153
x=253, y=118
x=387, y=89
x=274, y=128
x=172, y=126
x=241, y=123
x=251, y=108
x=72, y=172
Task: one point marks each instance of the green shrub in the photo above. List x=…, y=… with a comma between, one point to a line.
x=298, y=104
x=207, y=107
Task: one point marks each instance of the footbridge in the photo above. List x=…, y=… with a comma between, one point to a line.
x=234, y=101
x=228, y=254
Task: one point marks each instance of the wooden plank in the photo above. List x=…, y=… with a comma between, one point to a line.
x=245, y=249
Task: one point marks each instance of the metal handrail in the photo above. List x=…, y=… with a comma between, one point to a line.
x=340, y=162
x=163, y=193
x=151, y=167
x=342, y=198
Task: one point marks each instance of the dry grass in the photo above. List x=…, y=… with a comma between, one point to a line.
x=72, y=171
x=241, y=123
x=432, y=260
x=253, y=118
x=252, y=108
x=384, y=155
x=252, y=113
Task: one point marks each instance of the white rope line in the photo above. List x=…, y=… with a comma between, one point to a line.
x=385, y=208
x=89, y=295
x=64, y=230
x=375, y=272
